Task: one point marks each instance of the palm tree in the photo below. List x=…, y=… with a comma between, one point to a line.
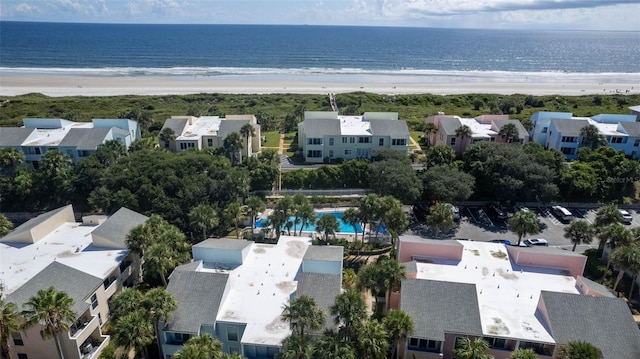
x=396, y=222
x=203, y=217
x=399, y=324
x=307, y=216
x=160, y=305
x=440, y=218
x=429, y=129
x=523, y=223
x=51, y=309
x=5, y=225
x=579, y=232
x=203, y=346
x=167, y=136
x=299, y=201
x=248, y=132
x=232, y=147
x=135, y=332
x=591, y=137
x=139, y=238
x=235, y=213
x=348, y=310
x=303, y=315
x=351, y=216
x=8, y=325
x=332, y=345
x=254, y=205
x=368, y=208
x=616, y=235
x=297, y=347
x=626, y=259
x=464, y=132
x=391, y=272
x=523, y=354
x=373, y=340
x=328, y=225
x=125, y=302
x=605, y=216
x=369, y=278
x=579, y=350
x=281, y=213
x=159, y=259
x=509, y=132
x=467, y=349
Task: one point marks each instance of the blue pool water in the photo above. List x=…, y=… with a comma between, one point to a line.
x=344, y=227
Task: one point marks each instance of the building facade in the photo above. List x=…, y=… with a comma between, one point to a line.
x=326, y=136
x=88, y=260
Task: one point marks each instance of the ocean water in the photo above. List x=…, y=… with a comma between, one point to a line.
x=212, y=50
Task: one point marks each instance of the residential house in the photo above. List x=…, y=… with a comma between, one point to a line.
x=74, y=139
x=235, y=290
x=483, y=128
x=325, y=136
x=88, y=260
x=563, y=132
x=203, y=132
x=635, y=111
x=512, y=297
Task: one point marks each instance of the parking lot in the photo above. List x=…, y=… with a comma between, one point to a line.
x=476, y=225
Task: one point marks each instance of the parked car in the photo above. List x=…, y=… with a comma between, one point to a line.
x=520, y=208
x=456, y=212
x=534, y=242
x=503, y=241
x=626, y=216
x=495, y=212
x=562, y=213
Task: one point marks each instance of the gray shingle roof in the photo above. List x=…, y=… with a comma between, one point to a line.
x=176, y=124
x=604, y=322
x=199, y=296
x=597, y=287
x=324, y=253
x=32, y=223
x=77, y=284
x=368, y=116
x=522, y=132
x=318, y=128
x=437, y=306
x=569, y=127
x=14, y=136
x=84, y=138
x=323, y=288
x=631, y=128
x=391, y=128
x=224, y=243
x=449, y=125
x=229, y=126
x=117, y=227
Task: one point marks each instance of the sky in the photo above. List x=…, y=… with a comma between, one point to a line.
x=622, y=15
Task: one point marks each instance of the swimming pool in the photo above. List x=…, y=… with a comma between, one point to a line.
x=344, y=227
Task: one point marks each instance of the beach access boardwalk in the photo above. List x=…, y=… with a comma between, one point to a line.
x=332, y=102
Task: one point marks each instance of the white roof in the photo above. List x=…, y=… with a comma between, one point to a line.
x=607, y=129
x=261, y=287
x=203, y=126
x=478, y=129
x=507, y=300
x=69, y=244
x=354, y=126
x=53, y=136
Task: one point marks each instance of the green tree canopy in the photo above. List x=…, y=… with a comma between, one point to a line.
x=523, y=223
x=446, y=184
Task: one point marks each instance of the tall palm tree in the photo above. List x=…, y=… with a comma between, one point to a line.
x=307, y=216
x=303, y=315
x=248, y=132
x=626, y=259
x=605, y=216
x=51, y=309
x=396, y=222
x=203, y=217
x=254, y=205
x=616, y=235
x=468, y=349
x=368, y=209
x=373, y=340
x=9, y=324
x=125, y=302
x=509, y=132
x=429, y=129
x=332, y=345
x=369, y=278
x=579, y=350
x=440, y=217
x=398, y=324
x=159, y=260
x=328, y=225
x=232, y=147
x=463, y=132
x=579, y=232
x=591, y=137
x=160, y=305
x=348, y=310
x=351, y=216
x=523, y=223
x=234, y=213
x=203, y=346
x=5, y=225
x=297, y=347
x=299, y=201
x=134, y=332
x=391, y=272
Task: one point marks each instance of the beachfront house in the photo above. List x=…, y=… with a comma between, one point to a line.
x=481, y=128
x=512, y=297
x=74, y=139
x=88, y=260
x=325, y=136
x=235, y=290
x=562, y=131
x=181, y=133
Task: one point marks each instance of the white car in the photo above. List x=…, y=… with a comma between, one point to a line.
x=626, y=216
x=535, y=242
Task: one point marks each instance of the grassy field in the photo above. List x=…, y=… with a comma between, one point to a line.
x=273, y=139
x=416, y=135
x=273, y=108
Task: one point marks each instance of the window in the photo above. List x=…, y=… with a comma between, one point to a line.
x=497, y=343
x=99, y=319
x=636, y=143
x=272, y=352
x=331, y=142
x=314, y=153
x=232, y=333
x=37, y=153
x=314, y=141
x=94, y=301
x=544, y=129
x=569, y=139
x=399, y=142
x=617, y=140
x=352, y=140
x=567, y=150
x=17, y=339
x=186, y=145
x=344, y=139
x=364, y=139
x=22, y=356
x=347, y=152
x=210, y=142
x=330, y=153
x=181, y=338
x=381, y=142
x=424, y=345
x=539, y=348
x=493, y=139
x=453, y=141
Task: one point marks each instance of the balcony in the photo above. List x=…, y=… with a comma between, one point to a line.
x=92, y=347
x=83, y=328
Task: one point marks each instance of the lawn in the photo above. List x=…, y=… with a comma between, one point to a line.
x=416, y=135
x=273, y=139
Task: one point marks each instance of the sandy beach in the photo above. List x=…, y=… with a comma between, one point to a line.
x=12, y=84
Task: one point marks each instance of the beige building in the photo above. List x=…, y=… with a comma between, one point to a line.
x=88, y=260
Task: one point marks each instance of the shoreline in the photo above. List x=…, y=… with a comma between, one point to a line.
x=57, y=85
